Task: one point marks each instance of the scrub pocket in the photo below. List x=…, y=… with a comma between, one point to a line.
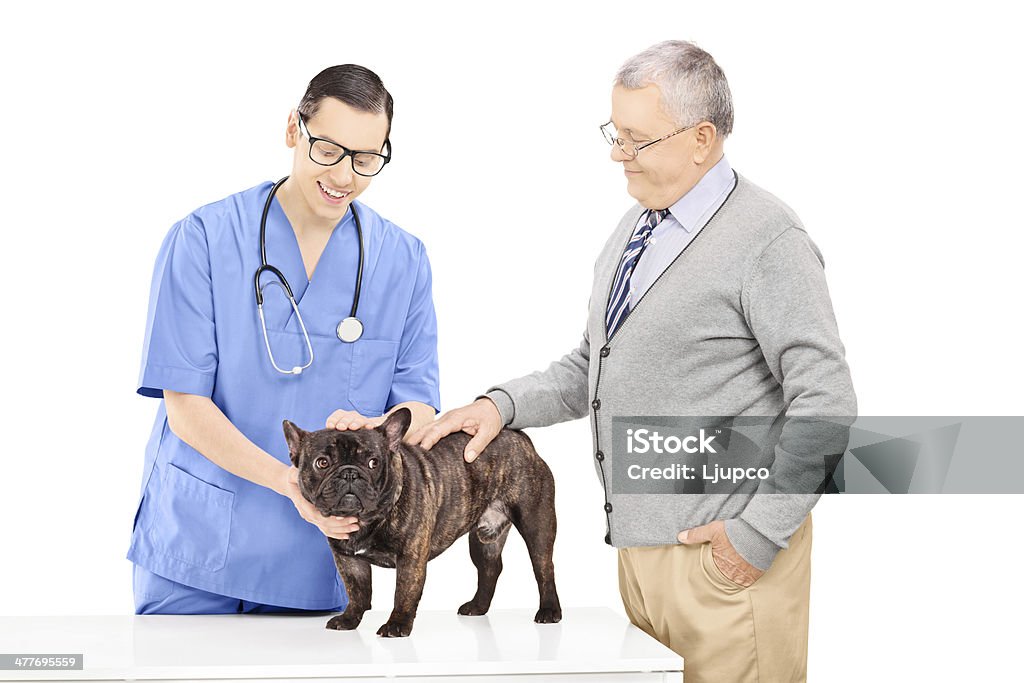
x=192, y=519
x=371, y=374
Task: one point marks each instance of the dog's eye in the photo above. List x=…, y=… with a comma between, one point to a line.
x=371, y=463
x=321, y=463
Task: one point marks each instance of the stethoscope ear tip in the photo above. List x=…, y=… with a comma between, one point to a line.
x=296, y=370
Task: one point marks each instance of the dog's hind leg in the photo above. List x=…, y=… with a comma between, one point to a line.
x=537, y=525
x=485, y=545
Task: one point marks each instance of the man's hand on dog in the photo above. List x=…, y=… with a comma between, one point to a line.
x=480, y=419
x=333, y=527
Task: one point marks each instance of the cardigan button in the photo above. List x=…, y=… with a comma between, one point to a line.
x=596, y=404
x=600, y=456
x=608, y=538
x=607, y=507
x=605, y=351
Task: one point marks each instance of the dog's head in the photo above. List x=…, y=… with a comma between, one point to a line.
x=354, y=473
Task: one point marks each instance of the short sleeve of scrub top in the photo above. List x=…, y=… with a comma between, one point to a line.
x=415, y=377
x=180, y=348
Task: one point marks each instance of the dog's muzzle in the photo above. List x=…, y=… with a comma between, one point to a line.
x=336, y=493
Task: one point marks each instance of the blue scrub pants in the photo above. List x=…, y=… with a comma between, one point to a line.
x=156, y=595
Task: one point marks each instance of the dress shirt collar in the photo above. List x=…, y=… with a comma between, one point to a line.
x=692, y=206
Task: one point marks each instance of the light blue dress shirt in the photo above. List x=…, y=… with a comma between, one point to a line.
x=686, y=218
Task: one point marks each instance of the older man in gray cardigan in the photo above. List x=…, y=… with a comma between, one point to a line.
x=709, y=299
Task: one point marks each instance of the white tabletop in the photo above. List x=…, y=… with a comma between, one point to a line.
x=265, y=646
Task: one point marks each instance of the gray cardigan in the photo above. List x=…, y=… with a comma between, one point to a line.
x=740, y=324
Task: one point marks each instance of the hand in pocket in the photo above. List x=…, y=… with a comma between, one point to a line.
x=724, y=555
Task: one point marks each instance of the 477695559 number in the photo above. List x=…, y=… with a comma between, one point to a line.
x=13, y=662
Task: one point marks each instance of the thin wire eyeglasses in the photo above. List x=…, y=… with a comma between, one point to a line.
x=629, y=148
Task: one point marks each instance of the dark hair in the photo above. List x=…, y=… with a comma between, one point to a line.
x=355, y=85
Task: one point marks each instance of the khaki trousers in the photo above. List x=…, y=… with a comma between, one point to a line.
x=724, y=632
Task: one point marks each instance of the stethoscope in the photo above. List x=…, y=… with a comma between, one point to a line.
x=349, y=330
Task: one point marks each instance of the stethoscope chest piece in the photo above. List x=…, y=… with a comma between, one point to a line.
x=350, y=329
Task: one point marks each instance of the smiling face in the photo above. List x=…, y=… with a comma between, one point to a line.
x=664, y=172
x=321, y=194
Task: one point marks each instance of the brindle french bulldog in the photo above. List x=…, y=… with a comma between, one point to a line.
x=413, y=504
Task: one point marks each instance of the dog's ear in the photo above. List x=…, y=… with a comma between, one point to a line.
x=293, y=435
x=395, y=427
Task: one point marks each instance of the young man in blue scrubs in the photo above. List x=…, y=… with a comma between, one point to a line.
x=221, y=526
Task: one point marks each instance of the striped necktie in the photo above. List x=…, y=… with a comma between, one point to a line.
x=618, y=303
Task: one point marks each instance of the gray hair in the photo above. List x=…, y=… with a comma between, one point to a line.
x=693, y=87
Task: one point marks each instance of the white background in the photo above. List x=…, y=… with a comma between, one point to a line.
x=893, y=132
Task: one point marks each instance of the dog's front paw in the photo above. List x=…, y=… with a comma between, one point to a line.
x=471, y=609
x=395, y=629
x=344, y=622
x=548, y=615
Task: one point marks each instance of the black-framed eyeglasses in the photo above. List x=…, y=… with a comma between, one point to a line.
x=629, y=148
x=327, y=153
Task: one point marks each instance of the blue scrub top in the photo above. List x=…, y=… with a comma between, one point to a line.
x=200, y=525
